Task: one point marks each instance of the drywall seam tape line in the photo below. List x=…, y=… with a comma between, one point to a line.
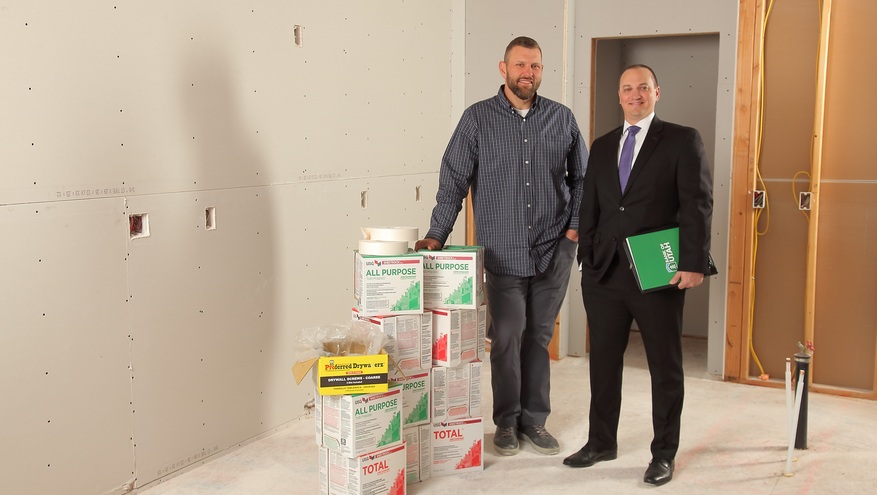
x=407, y=234
x=383, y=248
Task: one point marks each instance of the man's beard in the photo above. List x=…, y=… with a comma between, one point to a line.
x=523, y=94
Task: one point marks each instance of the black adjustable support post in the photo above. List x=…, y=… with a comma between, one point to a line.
x=802, y=362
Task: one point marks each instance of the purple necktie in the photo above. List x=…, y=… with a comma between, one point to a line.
x=626, y=161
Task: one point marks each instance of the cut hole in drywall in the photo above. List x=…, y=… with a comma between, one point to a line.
x=138, y=225
x=417, y=194
x=297, y=31
x=210, y=218
x=363, y=199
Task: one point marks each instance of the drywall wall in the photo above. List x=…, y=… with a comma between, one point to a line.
x=596, y=20
x=128, y=359
x=687, y=70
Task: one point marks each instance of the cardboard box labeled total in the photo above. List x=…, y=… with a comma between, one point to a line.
x=416, y=407
x=377, y=473
x=458, y=335
x=456, y=392
x=409, y=341
x=457, y=447
x=418, y=448
x=388, y=285
x=358, y=424
x=453, y=278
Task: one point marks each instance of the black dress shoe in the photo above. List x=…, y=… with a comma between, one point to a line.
x=589, y=456
x=659, y=472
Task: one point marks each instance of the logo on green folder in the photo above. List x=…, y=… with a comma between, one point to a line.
x=653, y=258
x=669, y=259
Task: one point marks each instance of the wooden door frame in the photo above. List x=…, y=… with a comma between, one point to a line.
x=741, y=228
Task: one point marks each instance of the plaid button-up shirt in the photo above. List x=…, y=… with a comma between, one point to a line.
x=526, y=177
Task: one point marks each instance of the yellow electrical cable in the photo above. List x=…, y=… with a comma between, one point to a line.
x=758, y=213
x=766, y=208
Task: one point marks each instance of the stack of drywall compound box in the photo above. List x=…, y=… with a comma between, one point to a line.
x=362, y=449
x=434, y=349
x=453, y=288
x=388, y=293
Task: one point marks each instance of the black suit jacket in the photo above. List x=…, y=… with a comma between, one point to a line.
x=670, y=185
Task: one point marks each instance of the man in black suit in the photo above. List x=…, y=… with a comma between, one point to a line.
x=668, y=184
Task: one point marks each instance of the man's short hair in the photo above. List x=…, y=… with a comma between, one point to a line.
x=643, y=66
x=522, y=41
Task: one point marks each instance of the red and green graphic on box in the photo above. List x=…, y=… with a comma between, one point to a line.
x=410, y=299
x=393, y=433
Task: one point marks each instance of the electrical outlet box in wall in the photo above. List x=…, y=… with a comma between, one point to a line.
x=759, y=198
x=804, y=200
x=138, y=225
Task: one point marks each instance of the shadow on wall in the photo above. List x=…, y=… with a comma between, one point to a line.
x=213, y=95
x=232, y=336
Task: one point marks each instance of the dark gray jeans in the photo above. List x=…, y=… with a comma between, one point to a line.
x=522, y=315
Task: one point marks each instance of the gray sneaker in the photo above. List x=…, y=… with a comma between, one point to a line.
x=505, y=440
x=542, y=441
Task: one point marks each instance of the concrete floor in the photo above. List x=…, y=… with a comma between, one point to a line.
x=733, y=442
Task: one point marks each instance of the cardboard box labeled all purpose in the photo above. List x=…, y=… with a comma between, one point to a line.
x=409, y=340
x=376, y=473
x=458, y=335
x=456, y=392
x=358, y=424
x=457, y=447
x=453, y=278
x=388, y=285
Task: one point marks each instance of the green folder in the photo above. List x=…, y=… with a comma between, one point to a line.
x=654, y=258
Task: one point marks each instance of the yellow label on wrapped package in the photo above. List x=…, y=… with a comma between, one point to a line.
x=338, y=375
